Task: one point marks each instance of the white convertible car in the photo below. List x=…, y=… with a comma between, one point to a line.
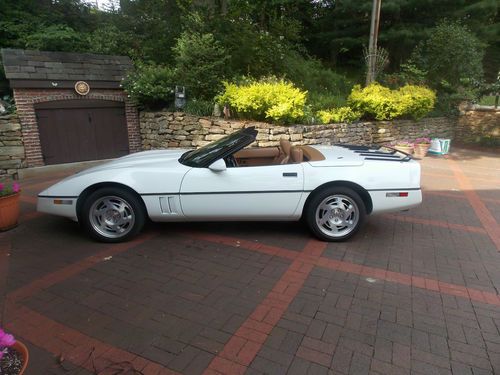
x=332, y=188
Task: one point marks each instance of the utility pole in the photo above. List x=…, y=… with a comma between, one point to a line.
x=372, y=46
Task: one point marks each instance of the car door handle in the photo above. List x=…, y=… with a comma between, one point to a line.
x=289, y=174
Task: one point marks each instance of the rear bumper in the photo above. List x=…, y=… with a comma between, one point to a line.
x=388, y=201
x=61, y=206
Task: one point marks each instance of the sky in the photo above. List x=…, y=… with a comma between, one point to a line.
x=102, y=4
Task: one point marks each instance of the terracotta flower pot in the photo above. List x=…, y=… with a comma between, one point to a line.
x=23, y=350
x=421, y=150
x=17, y=358
x=9, y=211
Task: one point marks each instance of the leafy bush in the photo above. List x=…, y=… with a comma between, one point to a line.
x=151, y=85
x=201, y=64
x=381, y=103
x=269, y=98
x=341, y=114
x=311, y=75
x=409, y=74
x=199, y=107
x=452, y=53
x=56, y=38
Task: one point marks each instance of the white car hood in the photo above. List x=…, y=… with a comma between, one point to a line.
x=144, y=158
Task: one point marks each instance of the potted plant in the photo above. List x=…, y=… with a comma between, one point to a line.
x=9, y=205
x=421, y=146
x=13, y=355
x=404, y=146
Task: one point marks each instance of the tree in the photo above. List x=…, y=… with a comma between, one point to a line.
x=452, y=55
x=201, y=63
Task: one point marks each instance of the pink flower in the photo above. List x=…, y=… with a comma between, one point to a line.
x=6, y=339
x=16, y=187
x=1, y=188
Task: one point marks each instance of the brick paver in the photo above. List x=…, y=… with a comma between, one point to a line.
x=413, y=293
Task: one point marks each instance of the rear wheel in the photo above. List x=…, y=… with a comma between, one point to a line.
x=335, y=214
x=112, y=215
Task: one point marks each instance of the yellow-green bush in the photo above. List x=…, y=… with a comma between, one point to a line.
x=341, y=114
x=272, y=99
x=381, y=103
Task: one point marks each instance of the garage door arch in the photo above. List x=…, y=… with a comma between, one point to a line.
x=81, y=130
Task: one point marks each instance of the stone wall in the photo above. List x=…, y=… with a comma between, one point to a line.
x=167, y=129
x=479, y=124
x=11, y=146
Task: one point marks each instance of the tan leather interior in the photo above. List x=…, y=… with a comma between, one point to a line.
x=285, y=154
x=256, y=152
x=311, y=154
x=257, y=156
x=285, y=147
x=296, y=154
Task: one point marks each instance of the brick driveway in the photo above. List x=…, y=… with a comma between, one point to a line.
x=414, y=292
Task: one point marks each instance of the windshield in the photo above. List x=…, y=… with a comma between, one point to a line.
x=206, y=155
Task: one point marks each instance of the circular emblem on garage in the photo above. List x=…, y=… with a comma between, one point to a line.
x=82, y=88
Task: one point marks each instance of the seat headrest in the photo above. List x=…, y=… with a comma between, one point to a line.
x=285, y=146
x=296, y=154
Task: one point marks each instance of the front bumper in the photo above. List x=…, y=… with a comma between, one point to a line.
x=61, y=206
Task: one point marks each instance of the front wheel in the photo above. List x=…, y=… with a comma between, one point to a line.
x=112, y=215
x=335, y=214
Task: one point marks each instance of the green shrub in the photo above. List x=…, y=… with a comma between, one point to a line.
x=201, y=64
x=381, y=103
x=151, y=85
x=451, y=54
x=56, y=38
x=341, y=114
x=311, y=75
x=321, y=101
x=199, y=107
x=272, y=99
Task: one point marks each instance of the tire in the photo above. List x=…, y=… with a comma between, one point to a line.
x=112, y=215
x=335, y=214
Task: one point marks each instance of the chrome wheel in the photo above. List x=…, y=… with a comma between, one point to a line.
x=337, y=215
x=112, y=217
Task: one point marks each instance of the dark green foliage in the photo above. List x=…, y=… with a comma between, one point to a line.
x=312, y=75
x=452, y=59
x=56, y=38
x=151, y=85
x=307, y=42
x=201, y=63
x=199, y=107
x=451, y=53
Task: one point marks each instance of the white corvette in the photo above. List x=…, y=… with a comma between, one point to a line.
x=332, y=188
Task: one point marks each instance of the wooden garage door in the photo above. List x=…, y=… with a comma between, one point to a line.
x=78, y=130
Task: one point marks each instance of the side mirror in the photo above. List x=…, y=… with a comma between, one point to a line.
x=218, y=166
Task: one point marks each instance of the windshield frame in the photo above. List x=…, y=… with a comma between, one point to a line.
x=204, y=156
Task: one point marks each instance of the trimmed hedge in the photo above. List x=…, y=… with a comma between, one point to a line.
x=381, y=103
x=341, y=114
x=267, y=99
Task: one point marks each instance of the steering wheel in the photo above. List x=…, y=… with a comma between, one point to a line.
x=230, y=161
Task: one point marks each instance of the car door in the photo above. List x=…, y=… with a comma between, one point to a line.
x=244, y=193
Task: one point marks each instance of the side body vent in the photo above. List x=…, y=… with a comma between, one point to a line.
x=169, y=205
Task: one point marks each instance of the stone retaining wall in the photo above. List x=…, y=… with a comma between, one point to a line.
x=479, y=124
x=12, y=154
x=167, y=129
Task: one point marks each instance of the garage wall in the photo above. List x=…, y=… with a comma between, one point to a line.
x=167, y=129
x=27, y=98
x=11, y=146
